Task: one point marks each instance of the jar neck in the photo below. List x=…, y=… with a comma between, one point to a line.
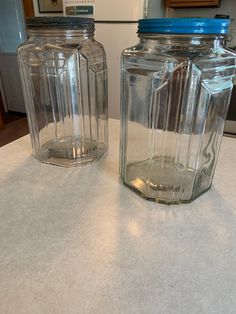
x=178, y=42
x=58, y=34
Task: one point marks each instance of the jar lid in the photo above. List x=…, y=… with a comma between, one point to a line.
x=62, y=22
x=184, y=26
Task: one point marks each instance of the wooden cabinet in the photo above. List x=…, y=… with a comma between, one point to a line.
x=28, y=8
x=192, y=3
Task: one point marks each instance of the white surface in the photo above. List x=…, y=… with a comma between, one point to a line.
x=112, y=10
x=121, y=10
x=115, y=38
x=77, y=241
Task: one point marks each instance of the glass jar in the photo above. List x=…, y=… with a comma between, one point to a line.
x=176, y=88
x=64, y=77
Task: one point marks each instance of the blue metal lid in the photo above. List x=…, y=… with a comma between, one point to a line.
x=184, y=26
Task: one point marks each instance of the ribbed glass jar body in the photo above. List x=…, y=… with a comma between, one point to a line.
x=175, y=95
x=64, y=78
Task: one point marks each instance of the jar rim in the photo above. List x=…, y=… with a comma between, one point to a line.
x=60, y=22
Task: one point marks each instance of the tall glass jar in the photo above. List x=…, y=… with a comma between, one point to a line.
x=64, y=77
x=176, y=88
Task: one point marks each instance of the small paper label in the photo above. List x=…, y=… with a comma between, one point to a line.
x=87, y=10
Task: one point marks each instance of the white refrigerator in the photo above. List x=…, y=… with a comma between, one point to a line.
x=116, y=28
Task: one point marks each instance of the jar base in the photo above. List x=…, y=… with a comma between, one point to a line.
x=163, y=181
x=162, y=201
x=70, y=152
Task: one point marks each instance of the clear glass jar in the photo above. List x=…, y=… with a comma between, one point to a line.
x=175, y=94
x=64, y=77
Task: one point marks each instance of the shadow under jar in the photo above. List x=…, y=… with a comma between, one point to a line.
x=64, y=78
x=176, y=88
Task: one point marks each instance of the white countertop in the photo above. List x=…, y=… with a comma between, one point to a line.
x=77, y=241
